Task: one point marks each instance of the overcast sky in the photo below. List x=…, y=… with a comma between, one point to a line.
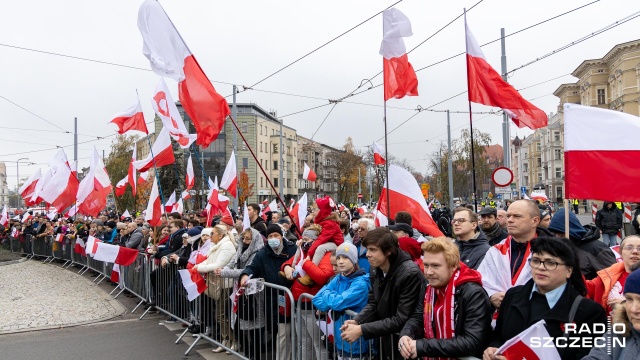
x=242, y=42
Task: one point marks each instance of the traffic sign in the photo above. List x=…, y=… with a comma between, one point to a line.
x=502, y=176
x=359, y=195
x=503, y=190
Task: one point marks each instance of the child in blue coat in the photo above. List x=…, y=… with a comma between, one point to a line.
x=347, y=291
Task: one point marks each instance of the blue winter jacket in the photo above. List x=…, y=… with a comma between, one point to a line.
x=340, y=294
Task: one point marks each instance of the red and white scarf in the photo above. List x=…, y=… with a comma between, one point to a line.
x=446, y=329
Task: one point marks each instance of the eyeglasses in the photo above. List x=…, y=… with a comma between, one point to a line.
x=631, y=248
x=547, y=264
x=360, y=229
x=248, y=238
x=459, y=221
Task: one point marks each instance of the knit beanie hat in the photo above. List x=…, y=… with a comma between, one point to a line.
x=311, y=234
x=206, y=231
x=632, y=284
x=274, y=228
x=349, y=251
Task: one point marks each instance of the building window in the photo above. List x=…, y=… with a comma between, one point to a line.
x=245, y=162
x=288, y=183
x=556, y=136
x=288, y=166
x=538, y=146
x=539, y=177
x=275, y=182
x=558, y=173
x=601, y=96
x=539, y=162
x=261, y=181
x=245, y=127
x=275, y=164
x=275, y=148
x=244, y=145
x=260, y=129
x=559, y=192
x=557, y=154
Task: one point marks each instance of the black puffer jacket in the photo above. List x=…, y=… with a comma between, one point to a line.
x=260, y=225
x=609, y=221
x=602, y=254
x=472, y=321
x=472, y=252
x=392, y=300
x=174, y=243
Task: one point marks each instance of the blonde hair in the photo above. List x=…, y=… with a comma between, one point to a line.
x=221, y=230
x=445, y=246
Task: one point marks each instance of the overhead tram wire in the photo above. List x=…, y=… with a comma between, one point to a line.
x=57, y=147
x=34, y=114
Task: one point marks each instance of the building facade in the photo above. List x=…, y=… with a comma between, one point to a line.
x=321, y=158
x=4, y=188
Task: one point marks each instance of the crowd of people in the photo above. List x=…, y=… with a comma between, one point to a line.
x=497, y=273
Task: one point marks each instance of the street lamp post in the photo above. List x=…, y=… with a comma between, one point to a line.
x=18, y=180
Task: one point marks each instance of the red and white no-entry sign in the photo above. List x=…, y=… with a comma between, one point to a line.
x=502, y=176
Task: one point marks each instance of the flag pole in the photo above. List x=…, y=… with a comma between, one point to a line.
x=473, y=159
x=386, y=142
x=566, y=218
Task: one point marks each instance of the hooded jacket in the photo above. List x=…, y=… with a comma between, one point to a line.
x=472, y=321
x=260, y=225
x=591, y=243
x=392, y=299
x=631, y=336
x=472, y=251
x=609, y=221
x=330, y=228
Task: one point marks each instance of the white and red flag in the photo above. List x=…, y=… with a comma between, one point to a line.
x=28, y=188
x=246, y=221
x=178, y=207
x=121, y=186
x=190, y=181
x=51, y=214
x=273, y=206
x=379, y=155
x=91, y=245
x=399, y=77
x=161, y=150
x=142, y=177
x=193, y=282
x=35, y=197
x=229, y=179
x=169, y=56
x=72, y=211
x=4, y=217
x=308, y=174
x=26, y=217
x=131, y=175
x=497, y=275
x=405, y=195
x=94, y=188
x=115, y=273
x=168, y=206
x=487, y=87
x=299, y=212
x=167, y=111
x=154, y=207
x=115, y=254
x=78, y=248
x=60, y=238
x=521, y=347
x=125, y=215
x=131, y=119
x=596, y=138
x=61, y=189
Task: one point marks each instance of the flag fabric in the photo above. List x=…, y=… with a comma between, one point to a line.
x=4, y=217
x=616, y=252
x=131, y=174
x=121, y=187
x=178, y=207
x=78, y=248
x=193, y=282
x=519, y=347
x=59, y=238
x=185, y=195
x=15, y=232
x=115, y=274
x=273, y=206
x=405, y=195
x=115, y=254
x=246, y=221
x=35, y=197
x=91, y=246
x=601, y=139
x=212, y=183
x=496, y=268
x=61, y=189
x=309, y=174
x=167, y=111
x=94, y=188
x=168, y=206
x=169, y=56
x=28, y=188
x=131, y=119
x=154, y=207
x=299, y=211
x=51, y=214
x=125, y=214
x=379, y=155
x=142, y=178
x=26, y=217
x=487, y=87
x=190, y=181
x=229, y=179
x=161, y=150
x=399, y=77
x=72, y=211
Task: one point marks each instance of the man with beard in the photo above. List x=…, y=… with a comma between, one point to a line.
x=491, y=227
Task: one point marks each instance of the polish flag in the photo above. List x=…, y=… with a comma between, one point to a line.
x=170, y=57
x=616, y=252
x=519, y=347
x=72, y=211
x=61, y=189
x=131, y=119
x=191, y=178
x=115, y=274
x=142, y=177
x=115, y=254
x=121, y=187
x=246, y=221
x=405, y=195
x=291, y=203
x=26, y=217
x=79, y=247
x=4, y=217
x=379, y=218
x=125, y=215
x=379, y=154
x=299, y=212
x=59, y=238
x=185, y=195
x=487, y=87
x=178, y=207
x=28, y=188
x=167, y=111
x=15, y=232
x=51, y=214
x=193, y=282
x=161, y=150
x=35, y=197
x=273, y=206
x=309, y=174
x=229, y=179
x=131, y=175
x=600, y=139
x=154, y=208
x=91, y=246
x=95, y=187
x=168, y=206
x=399, y=77
x=363, y=209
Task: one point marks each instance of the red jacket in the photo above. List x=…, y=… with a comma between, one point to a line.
x=320, y=275
x=330, y=233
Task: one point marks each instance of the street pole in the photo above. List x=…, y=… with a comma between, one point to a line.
x=18, y=179
x=505, y=119
x=75, y=139
x=359, y=186
x=280, y=156
x=234, y=112
x=449, y=162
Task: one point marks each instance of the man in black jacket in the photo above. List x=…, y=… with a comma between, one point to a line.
x=609, y=221
x=472, y=243
x=491, y=227
x=450, y=280
x=256, y=221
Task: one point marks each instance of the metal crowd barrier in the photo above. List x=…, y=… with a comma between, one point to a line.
x=78, y=259
x=97, y=267
x=42, y=247
x=21, y=245
x=59, y=251
x=135, y=279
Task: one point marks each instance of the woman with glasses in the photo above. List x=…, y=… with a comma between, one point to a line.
x=555, y=288
x=607, y=288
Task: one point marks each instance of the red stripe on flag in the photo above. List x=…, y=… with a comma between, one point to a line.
x=399, y=78
x=126, y=256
